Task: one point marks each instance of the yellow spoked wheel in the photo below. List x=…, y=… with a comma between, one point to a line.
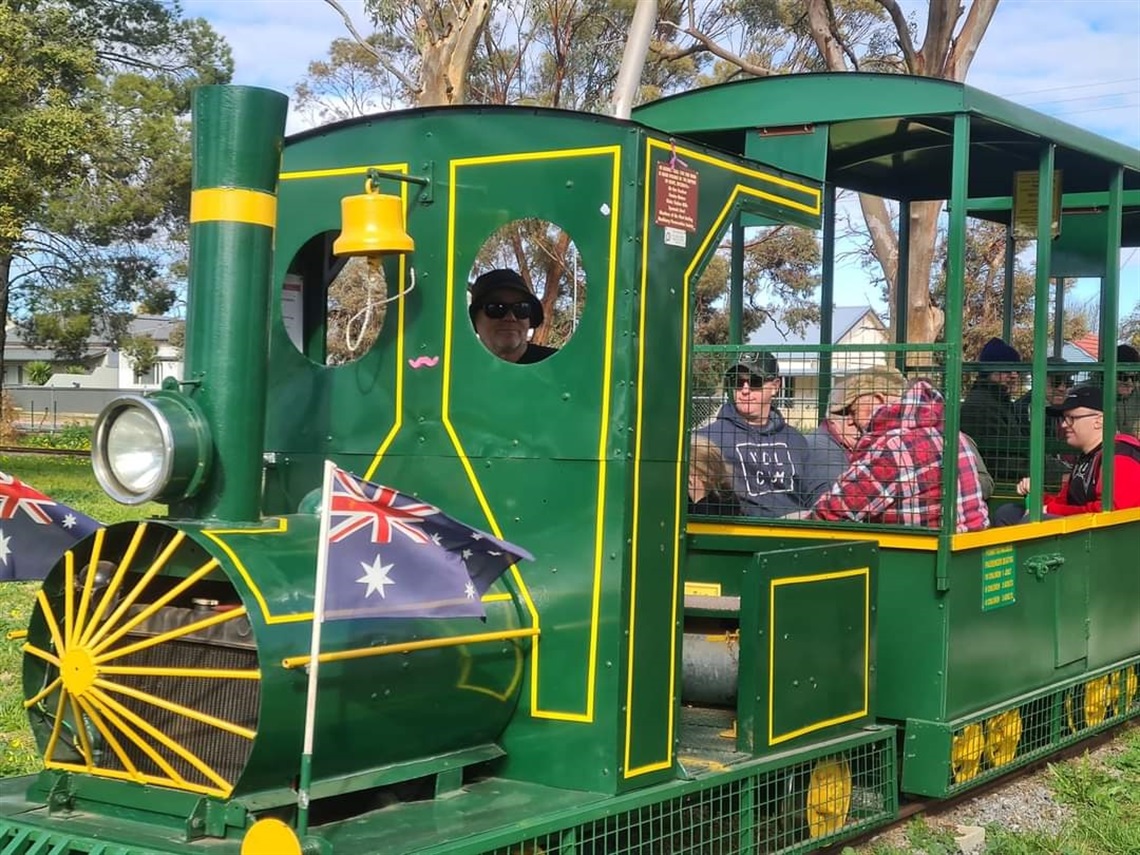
x=109, y=695
x=1003, y=734
x=966, y=753
x=828, y=796
x=1122, y=690
x=1097, y=700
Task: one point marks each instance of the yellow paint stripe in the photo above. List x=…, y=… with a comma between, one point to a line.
x=282, y=526
x=233, y=205
x=615, y=152
x=138, y=589
x=894, y=541
x=814, y=192
x=88, y=585
x=171, y=635
x=864, y=572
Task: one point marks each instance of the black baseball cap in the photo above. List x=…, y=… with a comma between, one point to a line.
x=1089, y=397
x=759, y=364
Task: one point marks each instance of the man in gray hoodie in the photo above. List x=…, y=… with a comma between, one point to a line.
x=768, y=456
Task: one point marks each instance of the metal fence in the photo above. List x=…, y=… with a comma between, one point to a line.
x=52, y=407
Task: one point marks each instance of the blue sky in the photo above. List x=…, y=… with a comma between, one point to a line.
x=1077, y=60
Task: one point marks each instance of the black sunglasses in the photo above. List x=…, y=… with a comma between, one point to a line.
x=752, y=380
x=495, y=311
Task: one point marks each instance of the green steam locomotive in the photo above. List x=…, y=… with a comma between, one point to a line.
x=652, y=682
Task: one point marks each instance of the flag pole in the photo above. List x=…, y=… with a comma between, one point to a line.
x=314, y=653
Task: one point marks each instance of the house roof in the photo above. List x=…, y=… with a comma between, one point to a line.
x=843, y=320
x=1089, y=345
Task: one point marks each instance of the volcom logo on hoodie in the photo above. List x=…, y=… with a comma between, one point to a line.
x=767, y=467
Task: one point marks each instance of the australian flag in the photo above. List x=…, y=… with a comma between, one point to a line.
x=35, y=531
x=391, y=555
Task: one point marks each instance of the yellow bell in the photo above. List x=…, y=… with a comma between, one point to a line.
x=372, y=224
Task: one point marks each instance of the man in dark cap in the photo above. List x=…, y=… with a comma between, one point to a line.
x=1082, y=423
x=504, y=311
x=989, y=416
x=768, y=457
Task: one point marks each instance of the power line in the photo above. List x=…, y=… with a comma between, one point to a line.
x=1123, y=94
x=1065, y=113
x=1071, y=86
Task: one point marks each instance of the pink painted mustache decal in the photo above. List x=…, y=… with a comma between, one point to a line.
x=424, y=362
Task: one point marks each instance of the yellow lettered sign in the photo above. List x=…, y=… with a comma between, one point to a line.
x=999, y=577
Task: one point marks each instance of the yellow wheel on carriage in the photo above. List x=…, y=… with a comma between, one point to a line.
x=828, y=796
x=966, y=753
x=1003, y=735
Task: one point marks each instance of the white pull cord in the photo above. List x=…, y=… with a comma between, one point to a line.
x=353, y=343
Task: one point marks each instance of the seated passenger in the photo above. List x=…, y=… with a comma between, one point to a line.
x=504, y=310
x=765, y=453
x=710, y=481
x=1082, y=420
x=990, y=417
x=895, y=474
x=830, y=444
x=1127, y=390
x=1058, y=382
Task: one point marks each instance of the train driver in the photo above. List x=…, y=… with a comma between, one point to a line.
x=504, y=311
x=1082, y=423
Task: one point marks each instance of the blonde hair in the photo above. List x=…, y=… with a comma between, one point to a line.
x=707, y=463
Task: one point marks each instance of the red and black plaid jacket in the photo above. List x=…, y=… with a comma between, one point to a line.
x=895, y=474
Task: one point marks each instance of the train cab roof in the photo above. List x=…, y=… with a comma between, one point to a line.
x=892, y=135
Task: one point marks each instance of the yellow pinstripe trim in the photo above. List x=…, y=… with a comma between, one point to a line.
x=865, y=572
x=282, y=527
x=682, y=409
x=587, y=715
x=233, y=205
x=814, y=192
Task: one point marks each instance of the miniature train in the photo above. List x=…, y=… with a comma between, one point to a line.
x=650, y=683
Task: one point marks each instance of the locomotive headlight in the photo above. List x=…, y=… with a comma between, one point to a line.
x=152, y=448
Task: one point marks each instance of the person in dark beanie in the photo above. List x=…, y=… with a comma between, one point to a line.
x=503, y=311
x=989, y=415
x=1128, y=390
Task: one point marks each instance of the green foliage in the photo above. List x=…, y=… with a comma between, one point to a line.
x=66, y=480
x=72, y=436
x=94, y=142
x=38, y=372
x=921, y=837
x=142, y=352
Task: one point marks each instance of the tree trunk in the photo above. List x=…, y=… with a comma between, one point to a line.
x=445, y=61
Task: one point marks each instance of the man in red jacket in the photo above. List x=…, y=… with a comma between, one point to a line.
x=1082, y=426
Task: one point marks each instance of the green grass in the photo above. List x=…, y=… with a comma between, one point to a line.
x=67, y=480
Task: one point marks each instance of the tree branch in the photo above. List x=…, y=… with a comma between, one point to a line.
x=715, y=49
x=906, y=45
x=381, y=58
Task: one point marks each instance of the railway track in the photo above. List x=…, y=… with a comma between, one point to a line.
x=936, y=807
x=15, y=450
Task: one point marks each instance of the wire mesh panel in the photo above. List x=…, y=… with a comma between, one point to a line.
x=987, y=747
x=793, y=809
x=847, y=434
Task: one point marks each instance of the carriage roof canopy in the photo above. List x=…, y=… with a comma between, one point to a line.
x=891, y=135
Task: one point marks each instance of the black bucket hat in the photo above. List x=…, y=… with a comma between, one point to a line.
x=501, y=279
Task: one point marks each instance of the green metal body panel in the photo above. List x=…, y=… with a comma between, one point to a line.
x=807, y=624
x=566, y=456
